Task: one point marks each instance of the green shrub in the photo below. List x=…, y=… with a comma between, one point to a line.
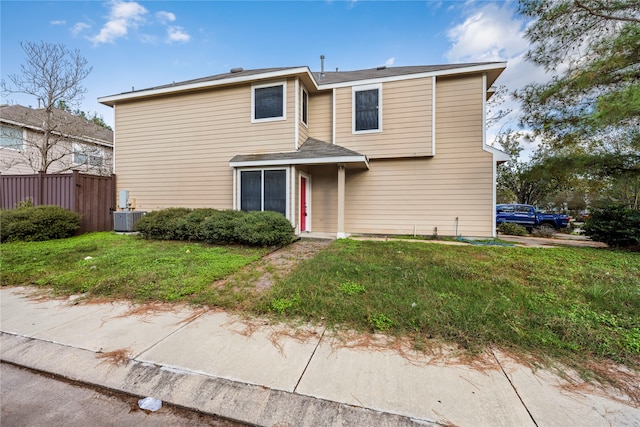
x=188, y=226
x=37, y=224
x=264, y=229
x=512, y=229
x=217, y=227
x=615, y=225
x=220, y=228
x=162, y=224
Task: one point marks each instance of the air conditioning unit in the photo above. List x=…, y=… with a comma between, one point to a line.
x=126, y=221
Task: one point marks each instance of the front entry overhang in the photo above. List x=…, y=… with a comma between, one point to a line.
x=312, y=152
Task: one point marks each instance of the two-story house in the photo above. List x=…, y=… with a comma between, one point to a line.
x=74, y=143
x=398, y=150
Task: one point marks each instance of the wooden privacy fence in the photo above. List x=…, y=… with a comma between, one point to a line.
x=91, y=196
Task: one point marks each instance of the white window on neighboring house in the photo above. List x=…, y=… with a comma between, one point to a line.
x=91, y=156
x=11, y=138
x=268, y=102
x=264, y=190
x=367, y=108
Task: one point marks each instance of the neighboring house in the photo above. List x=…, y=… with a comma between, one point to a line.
x=398, y=150
x=76, y=143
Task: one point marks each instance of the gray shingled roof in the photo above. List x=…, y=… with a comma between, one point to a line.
x=223, y=76
x=311, y=149
x=331, y=77
x=30, y=117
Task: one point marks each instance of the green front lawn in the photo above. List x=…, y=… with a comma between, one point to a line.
x=121, y=266
x=576, y=305
x=571, y=303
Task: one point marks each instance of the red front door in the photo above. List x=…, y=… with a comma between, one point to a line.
x=303, y=204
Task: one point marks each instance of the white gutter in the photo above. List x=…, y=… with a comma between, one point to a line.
x=305, y=161
x=448, y=72
x=112, y=99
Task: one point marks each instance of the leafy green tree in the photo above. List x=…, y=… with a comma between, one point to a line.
x=536, y=181
x=589, y=113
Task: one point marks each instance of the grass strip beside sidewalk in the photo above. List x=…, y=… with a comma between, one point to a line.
x=568, y=303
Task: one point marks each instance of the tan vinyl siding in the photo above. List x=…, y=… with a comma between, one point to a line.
x=395, y=196
x=175, y=151
x=324, y=201
x=321, y=116
x=406, y=121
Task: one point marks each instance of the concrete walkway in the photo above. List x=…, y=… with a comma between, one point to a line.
x=270, y=375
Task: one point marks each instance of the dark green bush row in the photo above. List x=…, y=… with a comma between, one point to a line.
x=37, y=223
x=614, y=225
x=217, y=227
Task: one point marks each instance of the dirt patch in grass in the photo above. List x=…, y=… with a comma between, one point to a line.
x=263, y=274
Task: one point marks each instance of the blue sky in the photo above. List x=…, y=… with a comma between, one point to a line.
x=147, y=43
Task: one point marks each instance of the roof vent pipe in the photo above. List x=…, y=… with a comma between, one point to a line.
x=321, y=65
x=236, y=70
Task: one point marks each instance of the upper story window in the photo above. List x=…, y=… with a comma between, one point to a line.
x=269, y=102
x=11, y=138
x=367, y=108
x=305, y=107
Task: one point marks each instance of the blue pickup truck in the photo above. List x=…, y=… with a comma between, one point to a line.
x=528, y=217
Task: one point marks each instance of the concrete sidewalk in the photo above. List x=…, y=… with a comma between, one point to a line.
x=268, y=375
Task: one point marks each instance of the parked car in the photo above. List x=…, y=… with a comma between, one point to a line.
x=528, y=217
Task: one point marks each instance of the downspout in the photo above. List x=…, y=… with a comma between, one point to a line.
x=433, y=116
x=296, y=133
x=333, y=117
x=493, y=158
x=113, y=145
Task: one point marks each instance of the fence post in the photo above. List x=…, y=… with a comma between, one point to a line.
x=40, y=201
x=77, y=188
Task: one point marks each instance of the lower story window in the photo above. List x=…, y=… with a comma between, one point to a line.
x=264, y=190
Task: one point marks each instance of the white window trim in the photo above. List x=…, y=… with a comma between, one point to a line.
x=282, y=83
x=238, y=185
x=303, y=93
x=355, y=89
x=22, y=139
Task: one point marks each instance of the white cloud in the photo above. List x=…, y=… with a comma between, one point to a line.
x=122, y=16
x=79, y=27
x=389, y=62
x=58, y=22
x=148, y=38
x=491, y=33
x=165, y=17
x=177, y=34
